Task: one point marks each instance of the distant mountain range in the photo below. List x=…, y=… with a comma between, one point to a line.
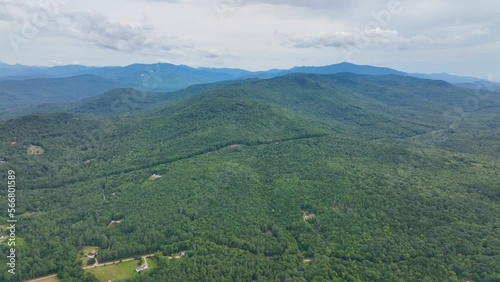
x=176, y=76
x=24, y=88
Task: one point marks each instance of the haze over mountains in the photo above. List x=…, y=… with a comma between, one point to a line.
x=24, y=88
x=133, y=71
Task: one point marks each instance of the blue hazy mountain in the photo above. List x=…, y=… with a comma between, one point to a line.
x=24, y=87
x=179, y=76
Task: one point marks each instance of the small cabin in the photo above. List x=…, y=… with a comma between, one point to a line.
x=141, y=268
x=92, y=254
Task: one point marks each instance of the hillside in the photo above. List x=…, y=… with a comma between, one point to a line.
x=346, y=67
x=124, y=100
x=21, y=96
x=303, y=177
x=37, y=89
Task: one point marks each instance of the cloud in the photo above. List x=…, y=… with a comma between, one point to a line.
x=18, y=11
x=90, y=27
x=254, y=34
x=345, y=39
x=375, y=37
x=212, y=53
x=100, y=31
x=313, y=4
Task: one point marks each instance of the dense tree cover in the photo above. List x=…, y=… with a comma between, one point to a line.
x=301, y=195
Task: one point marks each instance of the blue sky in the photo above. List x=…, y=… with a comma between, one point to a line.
x=458, y=37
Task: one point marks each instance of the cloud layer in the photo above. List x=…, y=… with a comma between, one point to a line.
x=459, y=36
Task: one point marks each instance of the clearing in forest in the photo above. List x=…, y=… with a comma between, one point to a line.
x=35, y=150
x=306, y=216
x=233, y=146
x=115, y=272
x=82, y=256
x=154, y=176
x=115, y=221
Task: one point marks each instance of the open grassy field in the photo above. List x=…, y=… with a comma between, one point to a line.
x=151, y=263
x=115, y=272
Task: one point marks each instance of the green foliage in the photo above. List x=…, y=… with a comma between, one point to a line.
x=241, y=165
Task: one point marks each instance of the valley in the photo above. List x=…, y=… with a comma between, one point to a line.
x=299, y=177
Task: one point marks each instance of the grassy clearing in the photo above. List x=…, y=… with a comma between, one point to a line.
x=35, y=150
x=30, y=214
x=20, y=243
x=82, y=255
x=151, y=263
x=115, y=272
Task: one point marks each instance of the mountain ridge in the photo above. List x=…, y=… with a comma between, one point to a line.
x=71, y=70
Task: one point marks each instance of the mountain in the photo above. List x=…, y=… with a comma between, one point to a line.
x=345, y=67
x=20, y=96
x=124, y=100
x=33, y=89
x=178, y=76
x=482, y=85
x=161, y=76
x=446, y=77
x=9, y=72
x=302, y=177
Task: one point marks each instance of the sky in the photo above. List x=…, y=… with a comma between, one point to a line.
x=428, y=36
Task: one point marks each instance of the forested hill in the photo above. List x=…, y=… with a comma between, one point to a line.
x=303, y=177
x=22, y=96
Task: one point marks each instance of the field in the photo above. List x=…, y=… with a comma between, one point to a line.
x=152, y=263
x=114, y=272
x=35, y=150
x=20, y=243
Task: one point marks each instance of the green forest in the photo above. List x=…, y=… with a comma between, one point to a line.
x=296, y=178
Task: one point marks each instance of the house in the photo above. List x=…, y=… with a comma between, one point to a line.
x=142, y=267
x=155, y=176
x=92, y=254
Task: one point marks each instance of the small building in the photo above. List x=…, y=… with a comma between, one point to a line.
x=155, y=176
x=141, y=268
x=92, y=254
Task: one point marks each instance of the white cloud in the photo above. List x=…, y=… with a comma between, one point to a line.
x=263, y=33
x=100, y=31
x=212, y=53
